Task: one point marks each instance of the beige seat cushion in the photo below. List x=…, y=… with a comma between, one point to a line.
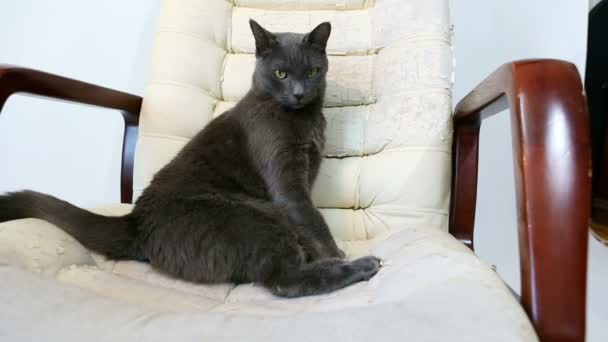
x=431, y=288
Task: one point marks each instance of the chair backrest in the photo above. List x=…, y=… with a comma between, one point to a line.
x=388, y=100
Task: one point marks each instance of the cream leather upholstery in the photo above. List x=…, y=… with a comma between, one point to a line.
x=383, y=189
x=388, y=100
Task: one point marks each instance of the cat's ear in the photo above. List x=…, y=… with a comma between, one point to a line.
x=264, y=40
x=318, y=36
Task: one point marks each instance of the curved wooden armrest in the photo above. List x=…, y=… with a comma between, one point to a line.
x=551, y=147
x=15, y=79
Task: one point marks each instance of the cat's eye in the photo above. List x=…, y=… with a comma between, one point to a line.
x=280, y=74
x=312, y=72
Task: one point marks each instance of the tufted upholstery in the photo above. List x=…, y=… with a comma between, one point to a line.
x=383, y=189
x=388, y=100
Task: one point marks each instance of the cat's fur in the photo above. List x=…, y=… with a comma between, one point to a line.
x=234, y=205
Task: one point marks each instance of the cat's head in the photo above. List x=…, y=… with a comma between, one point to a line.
x=291, y=67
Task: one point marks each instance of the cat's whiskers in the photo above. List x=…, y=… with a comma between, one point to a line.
x=264, y=106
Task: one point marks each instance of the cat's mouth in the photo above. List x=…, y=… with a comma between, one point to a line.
x=295, y=104
x=298, y=105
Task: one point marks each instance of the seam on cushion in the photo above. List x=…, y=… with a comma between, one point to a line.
x=371, y=213
x=183, y=85
x=229, y=102
x=403, y=210
x=217, y=113
x=368, y=112
x=227, y=50
x=367, y=5
x=423, y=37
x=357, y=199
x=364, y=8
x=164, y=136
x=437, y=149
x=420, y=37
x=422, y=88
x=406, y=40
x=426, y=89
x=362, y=53
x=432, y=211
x=229, y=33
x=215, y=103
x=365, y=220
x=422, y=148
x=375, y=49
x=183, y=33
x=443, y=39
x=340, y=55
x=347, y=106
x=223, y=72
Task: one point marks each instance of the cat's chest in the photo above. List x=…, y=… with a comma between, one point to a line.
x=317, y=139
x=303, y=133
x=311, y=131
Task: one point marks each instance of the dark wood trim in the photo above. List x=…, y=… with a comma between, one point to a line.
x=551, y=147
x=128, y=156
x=465, y=153
x=15, y=79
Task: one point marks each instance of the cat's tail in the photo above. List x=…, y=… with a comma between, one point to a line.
x=111, y=236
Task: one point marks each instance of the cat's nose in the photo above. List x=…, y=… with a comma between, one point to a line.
x=297, y=91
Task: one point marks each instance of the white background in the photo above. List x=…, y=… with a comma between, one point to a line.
x=73, y=152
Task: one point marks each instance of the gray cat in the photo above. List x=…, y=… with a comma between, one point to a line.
x=234, y=205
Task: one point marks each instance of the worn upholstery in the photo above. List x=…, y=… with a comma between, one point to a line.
x=388, y=100
x=383, y=189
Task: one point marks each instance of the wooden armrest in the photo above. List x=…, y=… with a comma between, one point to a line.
x=15, y=79
x=552, y=159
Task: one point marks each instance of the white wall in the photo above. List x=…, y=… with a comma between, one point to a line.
x=487, y=34
x=67, y=150
x=73, y=151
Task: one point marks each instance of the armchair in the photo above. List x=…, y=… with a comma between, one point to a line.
x=384, y=187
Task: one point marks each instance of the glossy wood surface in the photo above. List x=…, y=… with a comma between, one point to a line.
x=22, y=80
x=551, y=147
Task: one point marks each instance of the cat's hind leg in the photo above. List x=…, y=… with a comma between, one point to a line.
x=215, y=240
x=322, y=276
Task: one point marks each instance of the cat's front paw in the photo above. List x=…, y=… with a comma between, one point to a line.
x=368, y=266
